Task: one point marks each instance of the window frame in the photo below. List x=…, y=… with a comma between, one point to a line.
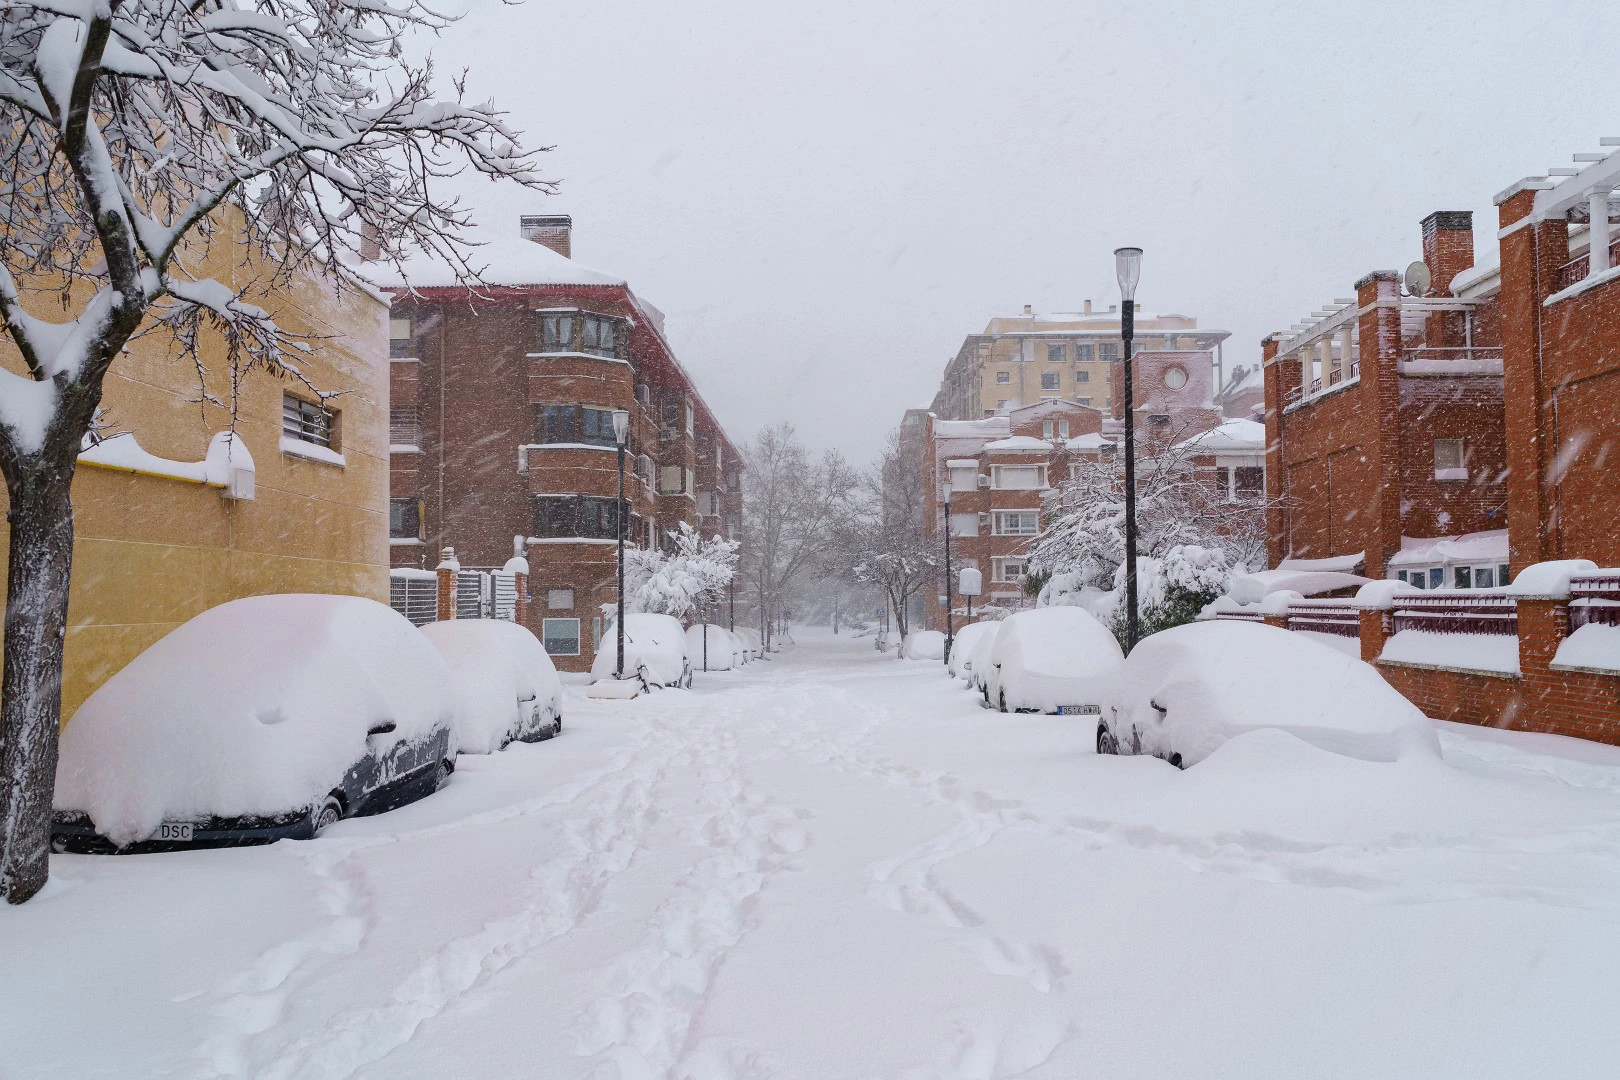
x=401, y=346
x=999, y=518
x=1051, y=380
x=997, y=471
x=1459, y=471
x=311, y=422
x=1003, y=378
x=546, y=638
x=1057, y=352
x=575, y=517
x=998, y=569
x=577, y=331
x=554, y=594
x=399, y=503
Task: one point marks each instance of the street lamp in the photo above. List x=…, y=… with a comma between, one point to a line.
x=1128, y=267
x=621, y=436
x=949, y=598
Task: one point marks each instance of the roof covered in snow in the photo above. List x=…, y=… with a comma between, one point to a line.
x=502, y=257
x=1483, y=547
x=991, y=427
x=1020, y=442
x=1341, y=563
x=1236, y=435
x=1092, y=440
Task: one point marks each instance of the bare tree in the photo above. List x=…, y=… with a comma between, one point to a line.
x=881, y=541
x=140, y=135
x=792, y=503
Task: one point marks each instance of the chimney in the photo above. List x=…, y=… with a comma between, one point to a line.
x=554, y=231
x=370, y=242
x=1448, y=246
x=1088, y=307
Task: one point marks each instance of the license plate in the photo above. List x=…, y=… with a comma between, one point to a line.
x=1079, y=710
x=176, y=831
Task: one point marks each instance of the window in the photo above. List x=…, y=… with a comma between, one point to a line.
x=1017, y=523
x=1240, y=482
x=1175, y=377
x=708, y=504
x=669, y=480
x=1480, y=576
x=1046, y=429
x=404, y=429
x=561, y=636
x=1018, y=477
x=308, y=422
x=1003, y=377
x=573, y=424
x=1082, y=353
x=1001, y=405
x=1057, y=354
x=691, y=482
x=1082, y=376
x=1084, y=400
x=964, y=524
x=1432, y=577
x=560, y=599
x=568, y=516
x=1007, y=570
x=1063, y=429
x=964, y=479
x=689, y=418
x=1449, y=460
x=1049, y=380
x=1161, y=419
x=405, y=519
x=399, y=338
x=580, y=331
x=1108, y=352
x=643, y=469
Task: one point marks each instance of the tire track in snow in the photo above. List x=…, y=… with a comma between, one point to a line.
x=604, y=839
x=644, y=1026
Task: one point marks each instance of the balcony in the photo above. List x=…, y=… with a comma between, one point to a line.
x=1576, y=269
x=1461, y=360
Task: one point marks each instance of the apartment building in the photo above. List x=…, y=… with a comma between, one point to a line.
x=175, y=513
x=502, y=434
x=1020, y=360
x=1385, y=424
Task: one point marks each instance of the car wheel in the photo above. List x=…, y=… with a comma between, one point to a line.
x=1106, y=743
x=1003, y=702
x=445, y=769
x=329, y=813
x=556, y=725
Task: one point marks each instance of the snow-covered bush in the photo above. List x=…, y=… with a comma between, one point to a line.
x=677, y=582
x=506, y=685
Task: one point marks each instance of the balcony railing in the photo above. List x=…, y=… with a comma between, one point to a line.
x=1338, y=619
x=1576, y=269
x=1435, y=359
x=1474, y=612
x=1594, y=598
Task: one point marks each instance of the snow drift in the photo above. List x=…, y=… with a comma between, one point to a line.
x=257, y=706
x=506, y=685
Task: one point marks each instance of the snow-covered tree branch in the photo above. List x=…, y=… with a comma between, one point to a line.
x=144, y=141
x=694, y=572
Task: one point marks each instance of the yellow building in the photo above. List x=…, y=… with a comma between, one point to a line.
x=1023, y=359
x=169, y=521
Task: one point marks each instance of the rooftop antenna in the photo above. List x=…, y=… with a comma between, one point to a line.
x=1418, y=279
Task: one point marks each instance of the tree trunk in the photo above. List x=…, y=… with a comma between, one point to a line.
x=41, y=519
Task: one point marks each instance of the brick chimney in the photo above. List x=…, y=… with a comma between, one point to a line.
x=554, y=231
x=1448, y=246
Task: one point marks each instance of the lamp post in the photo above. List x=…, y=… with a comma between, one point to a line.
x=621, y=436
x=1128, y=268
x=949, y=598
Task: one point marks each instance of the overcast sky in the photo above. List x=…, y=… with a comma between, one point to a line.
x=825, y=198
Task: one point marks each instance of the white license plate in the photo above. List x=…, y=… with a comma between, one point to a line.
x=1079, y=710
x=176, y=831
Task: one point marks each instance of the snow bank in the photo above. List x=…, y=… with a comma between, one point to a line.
x=506, y=685
x=1189, y=689
x=654, y=648
x=257, y=706
x=723, y=647
x=1593, y=646
x=1046, y=658
x=923, y=645
x=1482, y=547
x=1252, y=588
x=1380, y=595
x=962, y=647
x=1344, y=564
x=1478, y=652
x=1550, y=580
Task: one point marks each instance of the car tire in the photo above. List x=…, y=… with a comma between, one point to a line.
x=1003, y=701
x=1106, y=743
x=556, y=725
x=326, y=815
x=445, y=769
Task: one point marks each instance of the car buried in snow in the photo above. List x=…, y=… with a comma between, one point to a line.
x=654, y=652
x=1051, y=660
x=1184, y=691
x=265, y=718
x=507, y=687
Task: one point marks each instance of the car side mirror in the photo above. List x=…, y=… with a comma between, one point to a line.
x=383, y=728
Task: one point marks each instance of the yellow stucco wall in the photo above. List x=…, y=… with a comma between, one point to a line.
x=150, y=552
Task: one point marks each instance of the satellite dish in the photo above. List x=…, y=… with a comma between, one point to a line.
x=1418, y=279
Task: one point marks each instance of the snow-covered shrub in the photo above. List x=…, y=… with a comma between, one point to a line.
x=677, y=582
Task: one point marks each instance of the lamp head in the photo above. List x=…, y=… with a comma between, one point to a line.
x=945, y=490
x=621, y=426
x=1128, y=266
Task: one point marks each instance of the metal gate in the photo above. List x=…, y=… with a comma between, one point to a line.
x=486, y=594
x=414, y=594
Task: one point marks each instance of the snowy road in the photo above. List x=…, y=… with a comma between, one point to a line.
x=837, y=866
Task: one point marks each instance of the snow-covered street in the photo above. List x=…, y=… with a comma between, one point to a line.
x=837, y=865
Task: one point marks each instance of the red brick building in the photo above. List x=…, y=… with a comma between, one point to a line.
x=502, y=438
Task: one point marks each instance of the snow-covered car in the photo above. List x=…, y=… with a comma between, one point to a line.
x=978, y=660
x=506, y=685
x=1052, y=660
x=962, y=645
x=923, y=645
x=1186, y=690
x=751, y=641
x=654, y=651
x=713, y=648
x=265, y=718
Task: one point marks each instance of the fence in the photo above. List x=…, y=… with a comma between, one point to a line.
x=414, y=594
x=479, y=594
x=1594, y=598
x=1478, y=612
x=1324, y=617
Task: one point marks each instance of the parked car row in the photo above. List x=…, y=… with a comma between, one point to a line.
x=273, y=717
x=659, y=652
x=1182, y=692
